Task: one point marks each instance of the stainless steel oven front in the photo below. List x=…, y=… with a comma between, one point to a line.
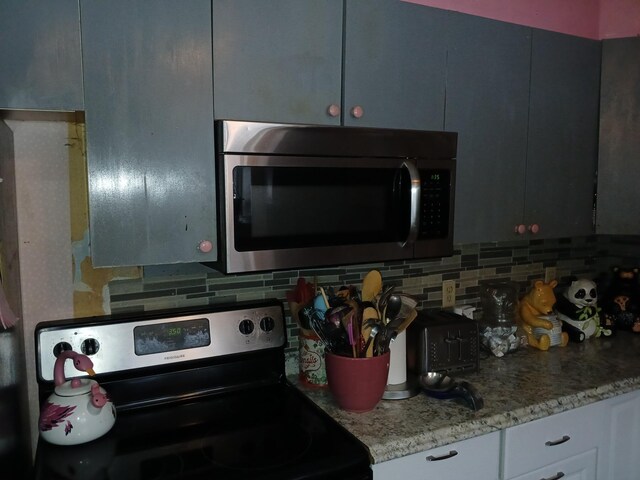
x=295, y=196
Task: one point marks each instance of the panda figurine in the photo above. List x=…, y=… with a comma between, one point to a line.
x=578, y=310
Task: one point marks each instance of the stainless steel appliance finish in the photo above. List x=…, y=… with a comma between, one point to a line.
x=116, y=347
x=301, y=195
x=442, y=341
x=199, y=394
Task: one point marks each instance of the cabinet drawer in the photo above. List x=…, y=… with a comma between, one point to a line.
x=476, y=458
x=533, y=445
x=578, y=467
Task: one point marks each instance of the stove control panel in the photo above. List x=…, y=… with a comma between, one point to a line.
x=139, y=342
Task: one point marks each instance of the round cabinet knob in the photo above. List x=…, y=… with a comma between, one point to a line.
x=205, y=246
x=534, y=228
x=520, y=229
x=357, y=112
x=333, y=110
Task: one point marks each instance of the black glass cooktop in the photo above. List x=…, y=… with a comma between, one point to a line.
x=270, y=432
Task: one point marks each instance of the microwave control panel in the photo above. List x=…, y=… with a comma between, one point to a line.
x=435, y=203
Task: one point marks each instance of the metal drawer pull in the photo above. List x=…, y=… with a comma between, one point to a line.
x=452, y=453
x=565, y=438
x=555, y=477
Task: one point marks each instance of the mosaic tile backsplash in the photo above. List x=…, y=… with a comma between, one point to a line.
x=519, y=261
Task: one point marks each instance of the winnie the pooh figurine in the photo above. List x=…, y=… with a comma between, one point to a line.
x=542, y=328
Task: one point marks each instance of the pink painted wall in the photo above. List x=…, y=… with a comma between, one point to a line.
x=619, y=18
x=584, y=18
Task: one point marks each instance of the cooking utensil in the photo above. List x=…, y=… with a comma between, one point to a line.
x=369, y=321
x=367, y=351
x=407, y=321
x=324, y=297
x=392, y=307
x=329, y=329
x=381, y=301
x=371, y=285
x=319, y=304
x=383, y=340
x=440, y=385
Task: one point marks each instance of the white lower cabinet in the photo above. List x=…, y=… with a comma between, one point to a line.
x=564, y=445
x=578, y=467
x=477, y=458
x=598, y=441
x=621, y=460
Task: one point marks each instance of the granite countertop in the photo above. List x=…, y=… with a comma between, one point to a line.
x=522, y=386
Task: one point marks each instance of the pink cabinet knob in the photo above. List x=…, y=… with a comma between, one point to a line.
x=357, y=112
x=333, y=110
x=534, y=228
x=520, y=229
x=205, y=246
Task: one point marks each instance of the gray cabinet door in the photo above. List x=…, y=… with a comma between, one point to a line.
x=619, y=158
x=40, y=58
x=279, y=60
x=562, y=149
x=149, y=122
x=394, y=64
x=487, y=104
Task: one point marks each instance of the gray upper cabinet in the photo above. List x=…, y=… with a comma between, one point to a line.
x=394, y=65
x=149, y=122
x=487, y=104
x=40, y=55
x=619, y=159
x=562, y=152
x=525, y=104
x=376, y=63
x=278, y=60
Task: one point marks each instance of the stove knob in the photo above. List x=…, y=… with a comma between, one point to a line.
x=267, y=324
x=61, y=347
x=246, y=327
x=90, y=346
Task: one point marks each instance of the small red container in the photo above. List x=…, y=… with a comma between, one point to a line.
x=357, y=384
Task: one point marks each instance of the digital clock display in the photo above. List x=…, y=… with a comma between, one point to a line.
x=171, y=336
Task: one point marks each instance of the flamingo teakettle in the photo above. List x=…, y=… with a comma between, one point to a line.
x=79, y=410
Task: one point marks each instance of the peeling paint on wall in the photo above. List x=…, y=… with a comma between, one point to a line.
x=90, y=285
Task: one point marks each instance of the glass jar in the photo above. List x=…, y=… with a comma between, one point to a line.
x=499, y=301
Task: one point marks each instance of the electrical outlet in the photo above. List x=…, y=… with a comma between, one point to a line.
x=549, y=274
x=448, y=293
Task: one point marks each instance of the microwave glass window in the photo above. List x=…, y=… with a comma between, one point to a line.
x=280, y=207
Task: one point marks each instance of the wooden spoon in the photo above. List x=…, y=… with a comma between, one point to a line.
x=407, y=321
x=371, y=285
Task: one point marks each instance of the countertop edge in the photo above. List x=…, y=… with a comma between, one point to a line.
x=385, y=451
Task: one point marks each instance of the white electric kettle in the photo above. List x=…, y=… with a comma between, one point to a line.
x=79, y=410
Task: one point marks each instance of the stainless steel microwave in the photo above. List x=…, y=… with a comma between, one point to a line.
x=300, y=196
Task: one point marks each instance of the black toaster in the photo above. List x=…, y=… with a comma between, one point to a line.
x=442, y=341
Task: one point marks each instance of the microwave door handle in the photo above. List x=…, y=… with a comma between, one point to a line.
x=414, y=224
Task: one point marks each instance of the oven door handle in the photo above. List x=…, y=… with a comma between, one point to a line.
x=414, y=219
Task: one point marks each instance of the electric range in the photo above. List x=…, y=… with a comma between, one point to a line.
x=199, y=393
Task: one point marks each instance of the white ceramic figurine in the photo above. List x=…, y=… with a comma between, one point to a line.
x=579, y=312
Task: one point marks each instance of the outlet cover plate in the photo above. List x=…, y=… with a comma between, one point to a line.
x=448, y=293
